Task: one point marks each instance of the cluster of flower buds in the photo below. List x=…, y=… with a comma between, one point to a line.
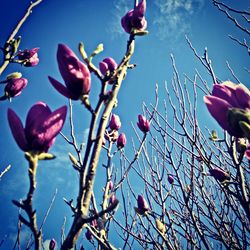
x=75, y=74
x=28, y=57
x=107, y=66
x=142, y=205
x=143, y=124
x=134, y=21
x=41, y=128
x=113, y=135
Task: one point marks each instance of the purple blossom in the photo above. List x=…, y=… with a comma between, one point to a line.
x=142, y=204
x=52, y=244
x=107, y=65
x=41, y=128
x=229, y=104
x=115, y=122
x=143, y=124
x=121, y=141
x=134, y=19
x=75, y=74
x=15, y=86
x=28, y=57
x=219, y=174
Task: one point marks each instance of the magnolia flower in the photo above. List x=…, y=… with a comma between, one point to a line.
x=115, y=122
x=14, y=87
x=41, y=128
x=28, y=57
x=121, y=141
x=75, y=74
x=134, y=19
x=219, y=174
x=52, y=244
x=143, y=124
x=170, y=179
x=107, y=65
x=229, y=104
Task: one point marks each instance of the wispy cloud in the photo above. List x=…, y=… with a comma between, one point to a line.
x=173, y=17
x=120, y=8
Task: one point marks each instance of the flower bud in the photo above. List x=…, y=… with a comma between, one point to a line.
x=219, y=174
x=170, y=179
x=142, y=204
x=111, y=185
x=15, y=86
x=112, y=199
x=121, y=141
x=143, y=124
x=14, y=75
x=115, y=122
x=52, y=244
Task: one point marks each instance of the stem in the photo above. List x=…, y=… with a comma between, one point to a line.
x=14, y=32
x=27, y=203
x=85, y=191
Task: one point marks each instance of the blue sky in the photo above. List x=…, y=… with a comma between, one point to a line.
x=92, y=22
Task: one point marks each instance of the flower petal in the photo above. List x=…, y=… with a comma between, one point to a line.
x=218, y=108
x=17, y=130
x=62, y=89
x=36, y=115
x=226, y=93
x=54, y=123
x=243, y=96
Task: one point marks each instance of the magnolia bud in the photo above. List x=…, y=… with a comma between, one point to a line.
x=14, y=75
x=52, y=244
x=170, y=179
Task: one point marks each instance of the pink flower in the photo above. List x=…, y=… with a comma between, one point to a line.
x=75, y=74
x=115, y=122
x=143, y=124
x=107, y=65
x=170, y=179
x=41, y=128
x=134, y=19
x=219, y=174
x=29, y=58
x=15, y=86
x=121, y=141
x=229, y=104
x=142, y=204
x=52, y=244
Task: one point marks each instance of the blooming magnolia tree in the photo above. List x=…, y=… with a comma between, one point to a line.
x=195, y=185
